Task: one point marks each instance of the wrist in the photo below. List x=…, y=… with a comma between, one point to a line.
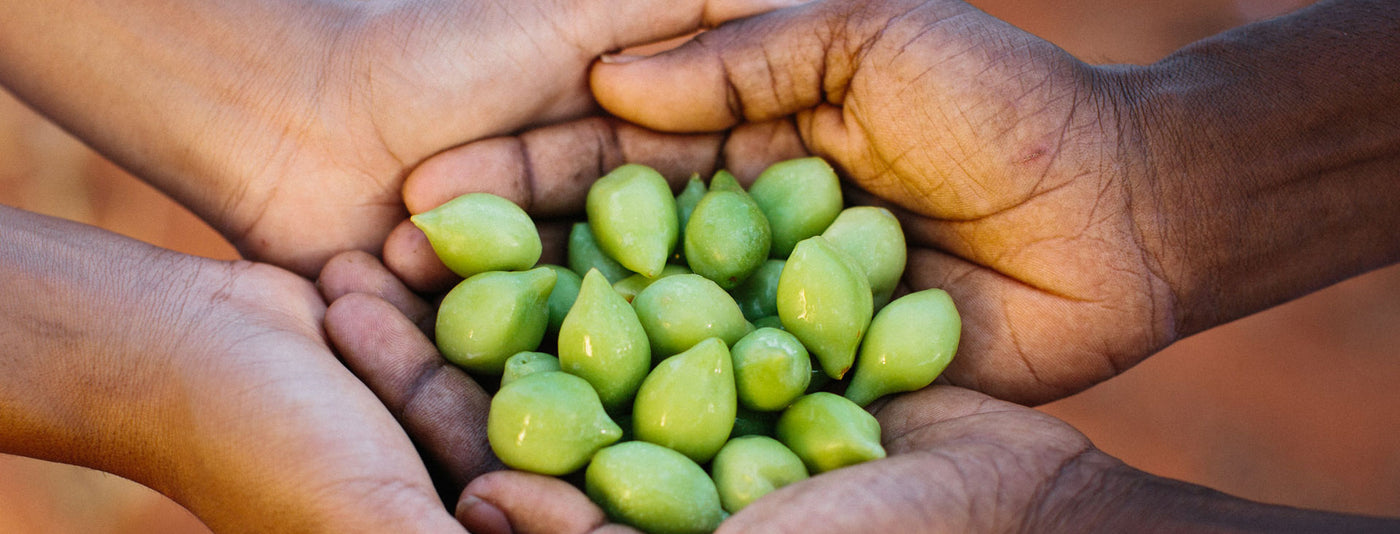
x=1271, y=156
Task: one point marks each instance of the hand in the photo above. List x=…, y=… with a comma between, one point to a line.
x=299, y=121
x=210, y=382
x=1007, y=157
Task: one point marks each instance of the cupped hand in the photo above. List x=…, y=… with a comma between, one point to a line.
x=1017, y=169
x=291, y=126
x=211, y=382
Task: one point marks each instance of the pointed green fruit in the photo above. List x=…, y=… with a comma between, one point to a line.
x=727, y=238
x=633, y=216
x=753, y=423
x=629, y=287
x=910, y=343
x=825, y=300
x=758, y=296
x=771, y=321
x=771, y=369
x=526, y=363
x=873, y=237
x=549, y=423
x=750, y=467
x=480, y=232
x=800, y=197
x=723, y=180
x=493, y=315
x=584, y=254
x=653, y=488
x=685, y=204
x=682, y=310
x=602, y=341
x=561, y=298
x=688, y=402
x=827, y=432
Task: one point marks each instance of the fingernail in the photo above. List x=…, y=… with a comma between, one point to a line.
x=619, y=59
x=482, y=517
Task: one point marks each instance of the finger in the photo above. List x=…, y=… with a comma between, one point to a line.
x=612, y=25
x=437, y=403
x=751, y=70
x=359, y=272
x=410, y=257
x=528, y=503
x=548, y=170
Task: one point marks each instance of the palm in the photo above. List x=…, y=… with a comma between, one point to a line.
x=991, y=140
x=280, y=411
x=391, y=88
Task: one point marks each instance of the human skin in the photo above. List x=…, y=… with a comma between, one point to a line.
x=959, y=461
x=1082, y=217
x=291, y=125
x=208, y=381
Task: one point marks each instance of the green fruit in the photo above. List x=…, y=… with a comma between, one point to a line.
x=758, y=296
x=827, y=432
x=799, y=197
x=771, y=369
x=688, y=402
x=549, y=423
x=685, y=204
x=682, y=310
x=910, y=343
x=584, y=255
x=723, y=180
x=825, y=300
x=481, y=232
x=602, y=341
x=629, y=287
x=752, y=423
x=562, y=297
x=526, y=363
x=654, y=489
x=727, y=238
x=634, y=219
x=771, y=321
x=493, y=315
x=873, y=237
x=753, y=466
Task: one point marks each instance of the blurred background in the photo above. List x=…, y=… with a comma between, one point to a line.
x=1297, y=405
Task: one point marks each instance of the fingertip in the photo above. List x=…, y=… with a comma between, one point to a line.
x=677, y=91
x=410, y=257
x=531, y=503
x=481, y=516
x=359, y=272
x=493, y=166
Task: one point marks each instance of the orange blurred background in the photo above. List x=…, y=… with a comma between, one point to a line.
x=1294, y=406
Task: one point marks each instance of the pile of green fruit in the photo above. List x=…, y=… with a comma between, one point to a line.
x=684, y=332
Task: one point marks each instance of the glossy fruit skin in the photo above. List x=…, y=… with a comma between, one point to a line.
x=828, y=432
x=825, y=300
x=561, y=298
x=911, y=341
x=480, y=232
x=757, y=297
x=872, y=237
x=750, y=467
x=629, y=287
x=585, y=254
x=686, y=200
x=602, y=341
x=727, y=238
x=549, y=423
x=653, y=488
x=679, y=311
x=688, y=402
x=493, y=315
x=526, y=363
x=771, y=369
x=633, y=217
x=799, y=197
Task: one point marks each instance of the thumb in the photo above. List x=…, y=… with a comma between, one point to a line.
x=749, y=70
